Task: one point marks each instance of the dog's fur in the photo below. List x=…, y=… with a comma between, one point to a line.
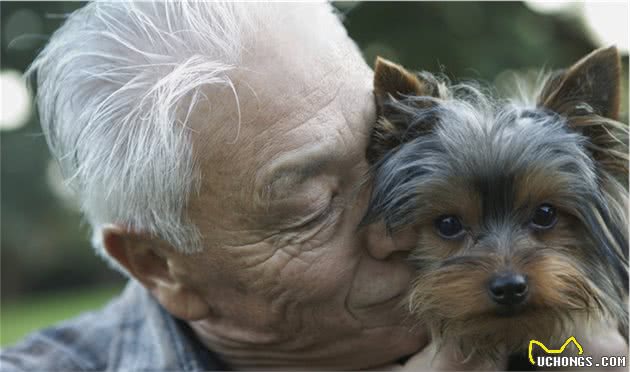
x=441, y=149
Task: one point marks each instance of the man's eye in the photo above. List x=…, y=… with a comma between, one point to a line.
x=449, y=227
x=323, y=214
x=544, y=218
x=319, y=216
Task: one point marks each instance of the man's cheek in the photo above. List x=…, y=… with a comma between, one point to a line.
x=376, y=282
x=319, y=273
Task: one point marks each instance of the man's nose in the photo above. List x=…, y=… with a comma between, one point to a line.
x=381, y=244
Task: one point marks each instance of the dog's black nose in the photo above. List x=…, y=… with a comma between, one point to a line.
x=508, y=289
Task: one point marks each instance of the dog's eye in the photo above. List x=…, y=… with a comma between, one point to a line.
x=544, y=217
x=449, y=227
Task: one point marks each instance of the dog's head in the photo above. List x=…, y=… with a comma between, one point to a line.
x=520, y=211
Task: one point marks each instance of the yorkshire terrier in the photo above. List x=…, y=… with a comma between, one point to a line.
x=520, y=208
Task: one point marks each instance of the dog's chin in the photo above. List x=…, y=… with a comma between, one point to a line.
x=503, y=330
x=510, y=311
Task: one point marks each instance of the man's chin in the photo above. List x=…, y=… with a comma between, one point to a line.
x=382, y=347
x=372, y=348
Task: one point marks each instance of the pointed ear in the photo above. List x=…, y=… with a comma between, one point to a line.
x=147, y=260
x=584, y=94
x=590, y=86
x=393, y=83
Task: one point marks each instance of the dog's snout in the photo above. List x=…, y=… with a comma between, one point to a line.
x=508, y=289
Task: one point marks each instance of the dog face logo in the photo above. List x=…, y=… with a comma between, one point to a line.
x=552, y=351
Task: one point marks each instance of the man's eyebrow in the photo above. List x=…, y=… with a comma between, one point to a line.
x=292, y=170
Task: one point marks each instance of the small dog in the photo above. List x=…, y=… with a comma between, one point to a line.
x=520, y=209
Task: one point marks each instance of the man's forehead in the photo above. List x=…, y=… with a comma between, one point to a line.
x=310, y=51
x=292, y=91
x=296, y=83
x=272, y=100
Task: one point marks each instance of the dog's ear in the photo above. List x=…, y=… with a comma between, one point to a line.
x=587, y=95
x=393, y=84
x=590, y=86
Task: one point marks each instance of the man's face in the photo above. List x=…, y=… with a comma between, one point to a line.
x=288, y=276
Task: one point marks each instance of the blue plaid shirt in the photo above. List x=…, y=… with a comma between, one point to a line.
x=131, y=333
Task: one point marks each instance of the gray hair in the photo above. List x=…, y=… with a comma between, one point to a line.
x=116, y=86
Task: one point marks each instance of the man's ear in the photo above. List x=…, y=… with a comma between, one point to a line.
x=393, y=83
x=149, y=261
x=590, y=86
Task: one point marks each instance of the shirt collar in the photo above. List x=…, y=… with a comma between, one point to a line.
x=151, y=338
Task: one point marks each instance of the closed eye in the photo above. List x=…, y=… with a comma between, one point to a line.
x=323, y=214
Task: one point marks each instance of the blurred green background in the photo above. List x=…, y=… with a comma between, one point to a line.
x=48, y=270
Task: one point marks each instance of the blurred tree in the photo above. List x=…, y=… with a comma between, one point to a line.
x=471, y=39
x=43, y=244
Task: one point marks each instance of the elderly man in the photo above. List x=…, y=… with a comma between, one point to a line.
x=217, y=150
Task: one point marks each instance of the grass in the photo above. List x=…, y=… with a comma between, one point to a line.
x=22, y=316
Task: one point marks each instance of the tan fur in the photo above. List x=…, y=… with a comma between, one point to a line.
x=393, y=80
x=591, y=79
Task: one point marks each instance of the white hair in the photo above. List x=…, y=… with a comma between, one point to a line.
x=116, y=85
